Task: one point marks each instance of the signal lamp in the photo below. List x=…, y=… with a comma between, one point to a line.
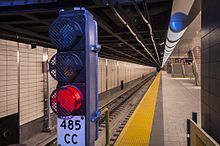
x=66, y=101
x=65, y=33
x=64, y=67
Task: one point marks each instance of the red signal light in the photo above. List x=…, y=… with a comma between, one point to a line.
x=66, y=100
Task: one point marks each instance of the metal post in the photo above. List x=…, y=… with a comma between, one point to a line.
x=194, y=116
x=195, y=69
x=107, y=127
x=122, y=84
x=184, y=71
x=106, y=69
x=46, y=89
x=19, y=89
x=188, y=132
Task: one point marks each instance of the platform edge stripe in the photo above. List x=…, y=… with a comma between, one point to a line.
x=150, y=97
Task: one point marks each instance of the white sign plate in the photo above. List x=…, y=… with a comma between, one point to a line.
x=71, y=132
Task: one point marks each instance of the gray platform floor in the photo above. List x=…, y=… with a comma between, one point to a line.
x=177, y=99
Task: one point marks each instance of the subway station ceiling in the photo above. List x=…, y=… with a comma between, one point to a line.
x=124, y=32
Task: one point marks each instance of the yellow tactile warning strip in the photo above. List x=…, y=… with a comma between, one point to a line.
x=138, y=129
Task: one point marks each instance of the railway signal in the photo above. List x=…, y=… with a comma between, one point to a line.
x=74, y=66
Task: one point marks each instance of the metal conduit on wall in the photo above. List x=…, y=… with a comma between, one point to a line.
x=132, y=32
x=150, y=28
x=18, y=80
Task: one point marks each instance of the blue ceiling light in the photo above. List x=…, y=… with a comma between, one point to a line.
x=177, y=22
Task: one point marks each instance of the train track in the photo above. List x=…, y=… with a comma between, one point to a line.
x=118, y=101
x=120, y=111
x=120, y=108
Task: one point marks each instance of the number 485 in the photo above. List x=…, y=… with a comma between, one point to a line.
x=70, y=124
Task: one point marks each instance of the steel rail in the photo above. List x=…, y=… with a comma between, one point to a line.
x=104, y=108
x=115, y=99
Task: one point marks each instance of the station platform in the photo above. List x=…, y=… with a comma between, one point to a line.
x=160, y=118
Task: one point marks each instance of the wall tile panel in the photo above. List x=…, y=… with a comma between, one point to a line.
x=210, y=68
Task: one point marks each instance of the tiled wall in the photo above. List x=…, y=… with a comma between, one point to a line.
x=26, y=84
x=102, y=75
x=110, y=76
x=210, y=66
x=30, y=86
x=31, y=83
x=8, y=78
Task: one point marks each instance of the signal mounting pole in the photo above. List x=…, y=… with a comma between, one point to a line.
x=74, y=66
